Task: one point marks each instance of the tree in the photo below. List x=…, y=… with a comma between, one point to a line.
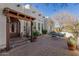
x=74, y=29
x=50, y=24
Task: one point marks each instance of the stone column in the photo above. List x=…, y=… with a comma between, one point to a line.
x=41, y=28
x=21, y=28
x=37, y=26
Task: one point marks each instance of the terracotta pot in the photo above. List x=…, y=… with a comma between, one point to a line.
x=78, y=43
x=71, y=47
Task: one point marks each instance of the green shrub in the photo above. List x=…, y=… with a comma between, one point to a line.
x=44, y=31
x=35, y=33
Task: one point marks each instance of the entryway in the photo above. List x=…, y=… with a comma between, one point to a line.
x=15, y=35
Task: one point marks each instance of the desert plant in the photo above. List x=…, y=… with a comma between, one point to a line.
x=71, y=43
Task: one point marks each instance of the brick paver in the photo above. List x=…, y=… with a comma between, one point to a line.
x=44, y=46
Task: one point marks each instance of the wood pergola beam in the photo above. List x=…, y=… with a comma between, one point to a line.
x=12, y=13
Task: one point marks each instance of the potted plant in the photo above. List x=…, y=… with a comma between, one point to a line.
x=34, y=35
x=75, y=31
x=71, y=42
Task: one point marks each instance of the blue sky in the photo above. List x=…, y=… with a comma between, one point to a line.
x=49, y=9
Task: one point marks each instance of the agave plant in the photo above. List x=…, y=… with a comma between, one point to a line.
x=71, y=41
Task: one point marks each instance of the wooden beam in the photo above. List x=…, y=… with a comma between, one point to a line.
x=31, y=32
x=12, y=13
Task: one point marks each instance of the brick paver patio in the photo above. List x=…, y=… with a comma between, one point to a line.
x=44, y=46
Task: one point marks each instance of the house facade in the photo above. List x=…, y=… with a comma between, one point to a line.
x=16, y=21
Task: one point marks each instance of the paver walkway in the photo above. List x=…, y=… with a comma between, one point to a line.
x=44, y=46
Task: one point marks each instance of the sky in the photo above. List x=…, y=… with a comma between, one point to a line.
x=48, y=9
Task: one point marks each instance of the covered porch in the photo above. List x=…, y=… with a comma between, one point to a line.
x=15, y=29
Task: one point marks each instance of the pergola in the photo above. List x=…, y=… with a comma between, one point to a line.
x=15, y=14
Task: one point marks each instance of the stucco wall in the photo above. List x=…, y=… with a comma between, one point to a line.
x=2, y=31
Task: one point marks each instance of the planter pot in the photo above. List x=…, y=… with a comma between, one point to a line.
x=78, y=43
x=71, y=47
x=72, y=44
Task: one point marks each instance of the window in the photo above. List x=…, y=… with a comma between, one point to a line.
x=43, y=16
x=13, y=27
x=25, y=26
x=39, y=14
x=34, y=25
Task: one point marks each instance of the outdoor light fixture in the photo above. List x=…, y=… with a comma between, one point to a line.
x=18, y=5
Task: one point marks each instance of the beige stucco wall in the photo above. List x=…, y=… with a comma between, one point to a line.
x=2, y=31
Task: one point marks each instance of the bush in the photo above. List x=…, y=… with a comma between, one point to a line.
x=44, y=31
x=35, y=33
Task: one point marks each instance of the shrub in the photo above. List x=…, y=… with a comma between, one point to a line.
x=35, y=33
x=44, y=31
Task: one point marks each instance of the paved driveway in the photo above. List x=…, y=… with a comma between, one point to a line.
x=44, y=46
